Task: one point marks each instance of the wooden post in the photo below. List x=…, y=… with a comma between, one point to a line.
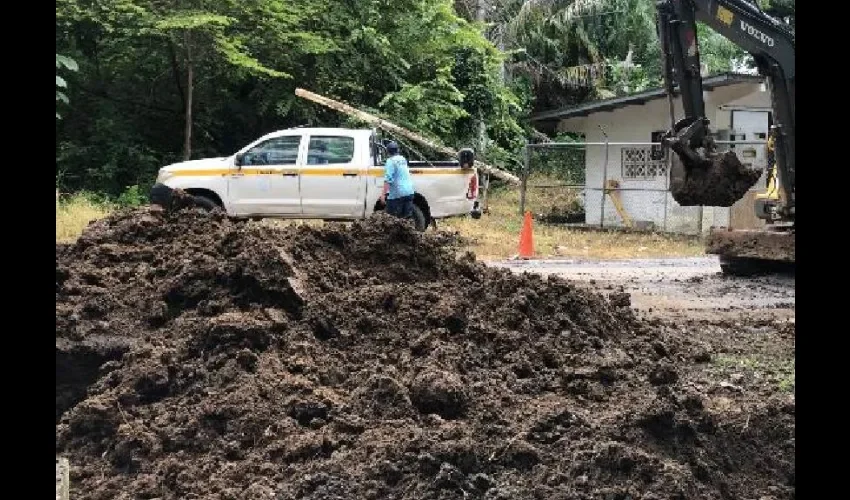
x=612, y=190
x=391, y=127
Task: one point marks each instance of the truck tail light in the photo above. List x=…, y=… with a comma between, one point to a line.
x=472, y=192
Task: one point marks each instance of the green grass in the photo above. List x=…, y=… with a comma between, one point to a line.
x=779, y=372
x=75, y=212
x=496, y=234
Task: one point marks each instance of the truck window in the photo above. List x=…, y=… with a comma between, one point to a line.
x=325, y=150
x=277, y=151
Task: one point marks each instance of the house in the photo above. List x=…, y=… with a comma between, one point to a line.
x=738, y=107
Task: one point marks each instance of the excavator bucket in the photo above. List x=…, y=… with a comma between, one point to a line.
x=718, y=181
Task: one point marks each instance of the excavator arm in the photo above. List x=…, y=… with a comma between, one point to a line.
x=705, y=177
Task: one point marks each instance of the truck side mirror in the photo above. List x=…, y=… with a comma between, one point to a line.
x=466, y=158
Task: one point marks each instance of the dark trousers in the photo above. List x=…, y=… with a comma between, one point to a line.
x=401, y=207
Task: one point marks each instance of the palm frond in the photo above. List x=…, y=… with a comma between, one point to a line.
x=579, y=9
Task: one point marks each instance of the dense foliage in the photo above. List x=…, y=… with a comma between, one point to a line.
x=229, y=68
x=142, y=83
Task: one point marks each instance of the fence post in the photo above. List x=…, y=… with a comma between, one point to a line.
x=604, y=180
x=701, y=216
x=667, y=186
x=526, y=156
x=63, y=483
x=486, y=207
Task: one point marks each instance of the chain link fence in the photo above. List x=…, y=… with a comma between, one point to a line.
x=621, y=184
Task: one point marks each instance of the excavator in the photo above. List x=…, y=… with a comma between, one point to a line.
x=705, y=177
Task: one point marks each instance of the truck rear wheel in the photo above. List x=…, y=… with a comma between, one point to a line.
x=420, y=221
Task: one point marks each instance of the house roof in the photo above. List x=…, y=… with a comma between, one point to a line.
x=708, y=83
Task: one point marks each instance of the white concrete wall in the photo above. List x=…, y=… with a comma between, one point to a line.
x=755, y=98
x=636, y=124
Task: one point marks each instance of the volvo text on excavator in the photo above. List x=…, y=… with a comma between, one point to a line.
x=705, y=177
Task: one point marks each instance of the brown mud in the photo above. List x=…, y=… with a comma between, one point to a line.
x=205, y=359
x=720, y=182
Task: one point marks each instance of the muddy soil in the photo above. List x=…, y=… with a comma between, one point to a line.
x=721, y=182
x=675, y=288
x=746, y=326
x=207, y=359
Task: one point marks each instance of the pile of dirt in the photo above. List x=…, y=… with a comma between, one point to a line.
x=199, y=358
x=763, y=244
x=718, y=182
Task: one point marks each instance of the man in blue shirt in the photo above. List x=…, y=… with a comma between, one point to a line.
x=398, y=186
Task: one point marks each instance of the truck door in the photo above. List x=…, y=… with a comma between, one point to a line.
x=332, y=178
x=267, y=183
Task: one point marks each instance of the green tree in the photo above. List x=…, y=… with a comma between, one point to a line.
x=547, y=38
x=782, y=9
x=191, y=32
x=160, y=81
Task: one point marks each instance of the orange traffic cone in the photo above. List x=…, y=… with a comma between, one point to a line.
x=526, y=240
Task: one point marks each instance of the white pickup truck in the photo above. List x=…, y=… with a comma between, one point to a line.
x=320, y=173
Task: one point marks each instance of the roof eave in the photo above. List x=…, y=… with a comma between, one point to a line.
x=709, y=84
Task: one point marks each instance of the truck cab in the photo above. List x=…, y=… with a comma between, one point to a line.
x=320, y=173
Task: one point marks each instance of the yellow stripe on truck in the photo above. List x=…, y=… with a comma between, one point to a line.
x=379, y=172
x=227, y=171
x=373, y=172
x=199, y=173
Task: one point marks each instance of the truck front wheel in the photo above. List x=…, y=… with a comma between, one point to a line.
x=205, y=202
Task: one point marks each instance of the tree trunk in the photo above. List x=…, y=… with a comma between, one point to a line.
x=175, y=70
x=481, y=11
x=503, y=66
x=481, y=142
x=187, y=139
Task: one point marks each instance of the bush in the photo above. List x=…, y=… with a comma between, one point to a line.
x=133, y=196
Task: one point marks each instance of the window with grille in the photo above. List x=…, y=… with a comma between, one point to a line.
x=643, y=163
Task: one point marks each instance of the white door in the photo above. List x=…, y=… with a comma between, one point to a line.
x=268, y=182
x=751, y=126
x=332, y=180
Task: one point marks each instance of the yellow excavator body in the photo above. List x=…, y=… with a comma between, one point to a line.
x=749, y=251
